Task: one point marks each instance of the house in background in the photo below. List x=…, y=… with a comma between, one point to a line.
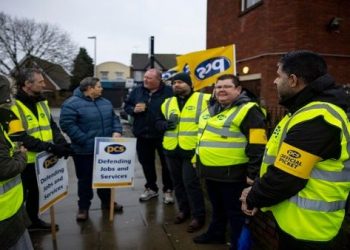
x=57, y=79
x=140, y=63
x=263, y=30
x=115, y=80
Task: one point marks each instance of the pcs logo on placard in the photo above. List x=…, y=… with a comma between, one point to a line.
x=211, y=67
x=50, y=161
x=115, y=149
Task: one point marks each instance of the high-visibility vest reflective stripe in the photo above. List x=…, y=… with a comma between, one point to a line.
x=185, y=134
x=11, y=191
x=316, y=212
x=221, y=143
x=37, y=127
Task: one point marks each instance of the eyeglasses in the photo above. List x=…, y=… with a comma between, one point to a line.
x=224, y=87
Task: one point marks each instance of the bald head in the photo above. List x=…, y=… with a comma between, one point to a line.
x=152, y=79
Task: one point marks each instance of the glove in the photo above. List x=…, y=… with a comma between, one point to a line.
x=172, y=122
x=170, y=125
x=61, y=150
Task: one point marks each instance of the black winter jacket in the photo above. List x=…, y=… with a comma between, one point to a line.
x=144, y=123
x=315, y=136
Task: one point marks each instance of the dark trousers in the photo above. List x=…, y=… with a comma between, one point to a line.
x=187, y=188
x=146, y=151
x=286, y=242
x=226, y=208
x=83, y=169
x=31, y=192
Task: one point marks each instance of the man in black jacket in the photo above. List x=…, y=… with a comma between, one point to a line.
x=304, y=176
x=28, y=107
x=143, y=104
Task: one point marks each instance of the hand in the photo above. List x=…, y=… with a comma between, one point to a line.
x=61, y=150
x=140, y=107
x=250, y=182
x=170, y=125
x=244, y=206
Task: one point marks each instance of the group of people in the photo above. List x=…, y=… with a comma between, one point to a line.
x=300, y=173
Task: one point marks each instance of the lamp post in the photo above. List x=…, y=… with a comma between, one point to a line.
x=94, y=37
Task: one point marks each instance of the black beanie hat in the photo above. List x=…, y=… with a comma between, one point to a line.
x=183, y=77
x=5, y=93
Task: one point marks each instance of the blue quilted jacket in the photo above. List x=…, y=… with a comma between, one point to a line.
x=83, y=119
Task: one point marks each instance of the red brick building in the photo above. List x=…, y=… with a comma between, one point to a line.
x=263, y=30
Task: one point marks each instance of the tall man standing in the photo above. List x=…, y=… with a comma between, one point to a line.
x=84, y=116
x=181, y=115
x=305, y=178
x=231, y=144
x=143, y=104
x=42, y=134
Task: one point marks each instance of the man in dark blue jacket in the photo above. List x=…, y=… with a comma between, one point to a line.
x=84, y=116
x=143, y=105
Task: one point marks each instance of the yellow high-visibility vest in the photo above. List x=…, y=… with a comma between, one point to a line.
x=185, y=133
x=37, y=127
x=221, y=143
x=11, y=191
x=316, y=212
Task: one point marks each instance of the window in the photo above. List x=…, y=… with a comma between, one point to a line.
x=119, y=75
x=246, y=4
x=104, y=75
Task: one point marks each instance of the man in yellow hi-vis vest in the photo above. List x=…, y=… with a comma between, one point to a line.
x=42, y=134
x=13, y=217
x=231, y=142
x=305, y=178
x=180, y=122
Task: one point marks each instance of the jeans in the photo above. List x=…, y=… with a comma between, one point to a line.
x=187, y=188
x=83, y=169
x=226, y=208
x=146, y=151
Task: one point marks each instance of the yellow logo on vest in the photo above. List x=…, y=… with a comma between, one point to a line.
x=115, y=149
x=42, y=115
x=29, y=118
x=50, y=161
x=190, y=107
x=295, y=161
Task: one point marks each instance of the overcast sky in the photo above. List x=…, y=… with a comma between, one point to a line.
x=122, y=27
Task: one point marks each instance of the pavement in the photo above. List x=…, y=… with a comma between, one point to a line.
x=142, y=225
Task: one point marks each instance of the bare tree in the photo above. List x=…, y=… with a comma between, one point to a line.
x=25, y=37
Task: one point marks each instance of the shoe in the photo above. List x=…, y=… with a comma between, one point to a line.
x=180, y=217
x=148, y=194
x=209, y=239
x=195, y=225
x=168, y=197
x=117, y=207
x=82, y=215
x=40, y=225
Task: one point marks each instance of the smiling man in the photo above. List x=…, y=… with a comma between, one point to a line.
x=231, y=143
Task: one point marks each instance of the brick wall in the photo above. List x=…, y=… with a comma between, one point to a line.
x=264, y=33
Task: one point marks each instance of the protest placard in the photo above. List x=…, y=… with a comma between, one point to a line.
x=52, y=177
x=114, y=162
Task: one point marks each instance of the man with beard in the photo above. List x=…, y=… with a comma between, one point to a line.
x=181, y=115
x=304, y=177
x=42, y=134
